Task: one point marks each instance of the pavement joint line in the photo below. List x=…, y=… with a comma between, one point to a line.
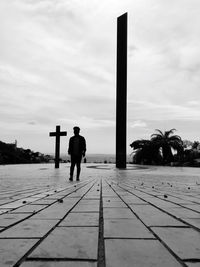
x=22, y=259
x=85, y=211
x=25, y=212
x=114, y=207
x=192, y=260
x=101, y=245
x=130, y=238
x=77, y=226
x=156, y=236
x=38, y=204
x=13, y=238
x=59, y=259
x=90, y=198
x=169, y=226
x=164, y=211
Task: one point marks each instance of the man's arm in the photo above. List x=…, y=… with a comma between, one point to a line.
x=84, y=147
x=70, y=146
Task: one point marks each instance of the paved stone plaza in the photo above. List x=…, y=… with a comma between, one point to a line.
x=114, y=218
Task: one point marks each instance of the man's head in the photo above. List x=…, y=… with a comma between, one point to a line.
x=76, y=130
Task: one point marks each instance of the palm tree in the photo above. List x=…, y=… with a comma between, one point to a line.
x=146, y=152
x=167, y=141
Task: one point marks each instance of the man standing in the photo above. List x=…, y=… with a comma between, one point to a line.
x=77, y=149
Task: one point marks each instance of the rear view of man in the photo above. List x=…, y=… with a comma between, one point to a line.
x=77, y=149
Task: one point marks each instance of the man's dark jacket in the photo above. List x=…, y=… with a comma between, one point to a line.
x=82, y=145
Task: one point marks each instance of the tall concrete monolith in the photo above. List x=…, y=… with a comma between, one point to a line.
x=121, y=91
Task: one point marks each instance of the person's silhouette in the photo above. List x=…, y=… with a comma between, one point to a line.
x=77, y=149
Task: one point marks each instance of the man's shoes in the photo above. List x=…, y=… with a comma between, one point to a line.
x=71, y=179
x=77, y=179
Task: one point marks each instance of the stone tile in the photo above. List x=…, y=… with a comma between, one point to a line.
x=3, y=211
x=31, y=199
x=13, y=205
x=69, y=242
x=184, y=242
x=90, y=198
x=182, y=213
x=69, y=202
x=152, y=216
x=95, y=190
x=17, y=203
x=112, y=203
x=123, y=193
x=161, y=203
x=55, y=211
x=177, y=200
x=52, y=197
x=64, y=193
x=29, y=208
x=134, y=200
x=118, y=213
x=193, y=207
x=29, y=228
x=93, y=195
x=193, y=221
x=4, y=200
x=86, y=208
x=81, y=219
x=77, y=194
x=56, y=194
x=109, y=195
x=43, y=201
x=125, y=228
x=138, y=253
x=73, y=197
x=11, y=250
x=40, y=216
x=89, y=202
x=11, y=218
x=40, y=195
x=58, y=264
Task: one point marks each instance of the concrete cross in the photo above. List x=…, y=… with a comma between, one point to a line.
x=57, y=134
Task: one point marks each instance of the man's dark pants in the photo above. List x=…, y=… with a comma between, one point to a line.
x=75, y=160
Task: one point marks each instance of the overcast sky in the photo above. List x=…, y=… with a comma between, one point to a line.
x=57, y=67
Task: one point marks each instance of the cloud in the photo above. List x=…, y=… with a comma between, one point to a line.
x=193, y=103
x=32, y=123
x=154, y=111
x=88, y=123
x=58, y=65
x=15, y=75
x=138, y=123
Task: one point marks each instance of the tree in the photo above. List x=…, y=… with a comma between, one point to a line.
x=187, y=144
x=147, y=152
x=195, y=145
x=167, y=141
